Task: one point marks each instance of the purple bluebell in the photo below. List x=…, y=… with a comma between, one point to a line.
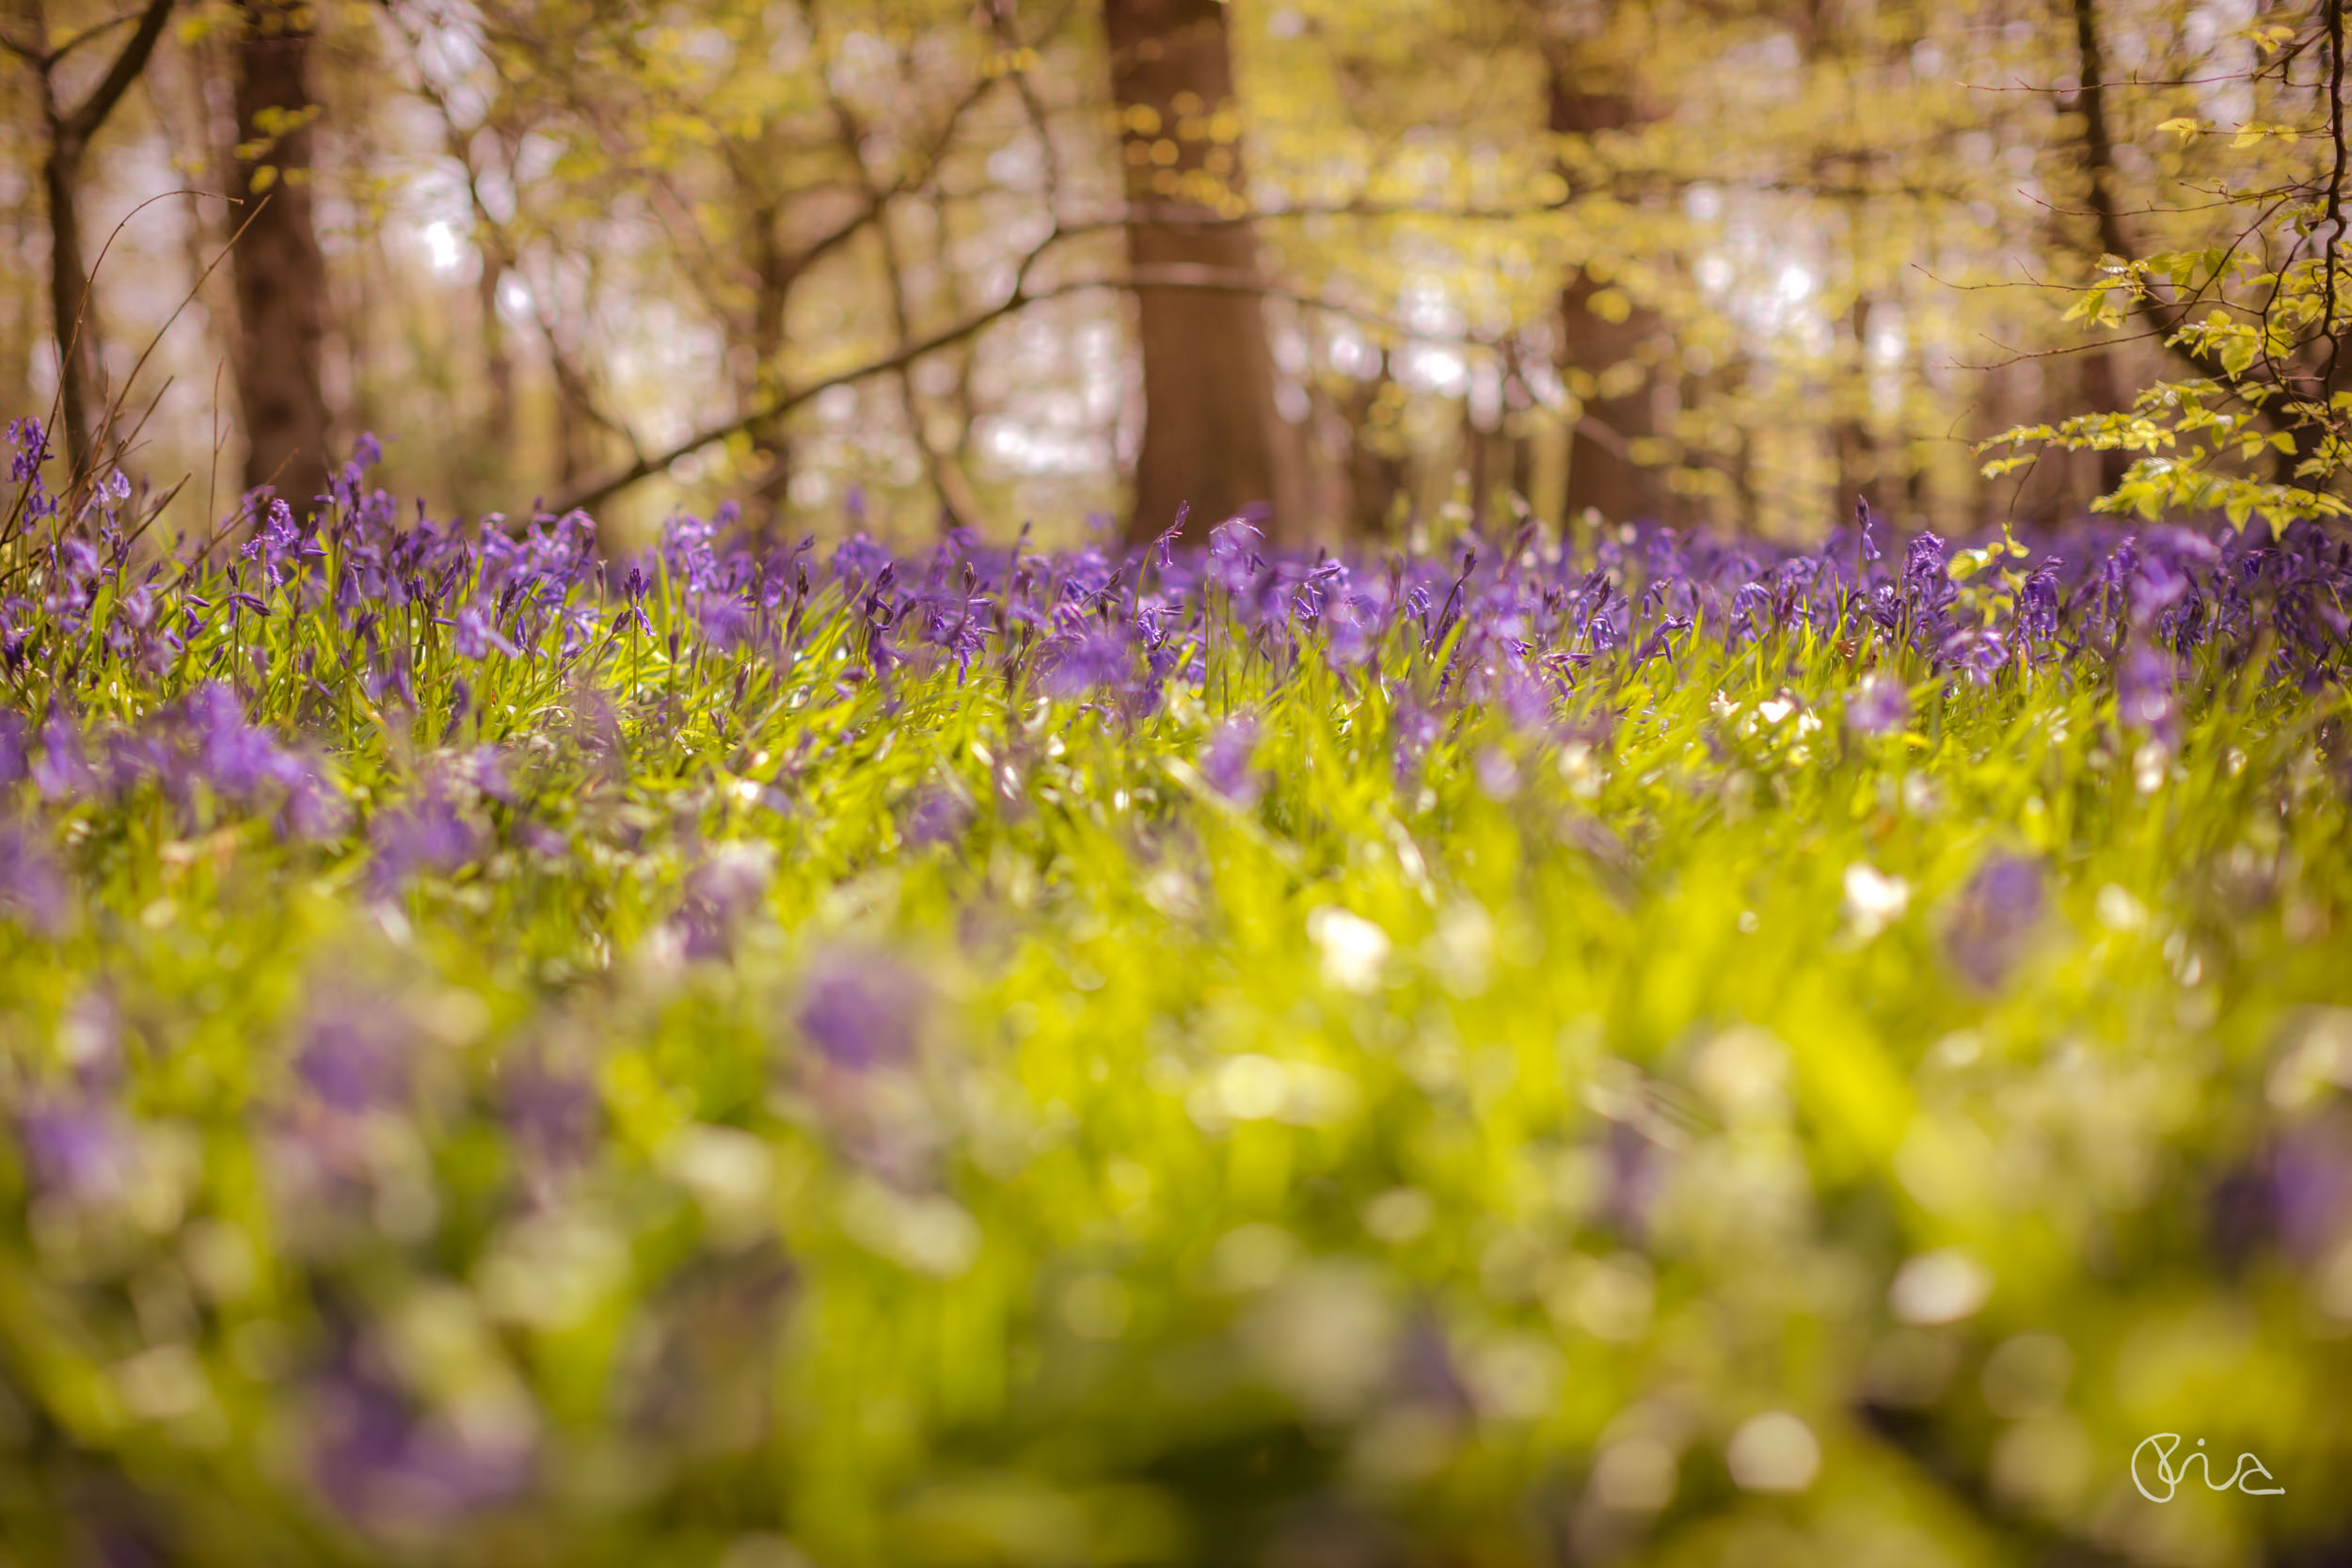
x=1994, y=919
x=553, y=1113
x=2311, y=1185
x=475, y=634
x=1227, y=761
x=1878, y=706
x=427, y=834
x=861, y=1010
x=75, y=1148
x=63, y=771
x=720, y=896
x=275, y=543
x=935, y=816
x=14, y=754
x=356, y=1053
x=2144, y=694
x=390, y=1466
x=1089, y=661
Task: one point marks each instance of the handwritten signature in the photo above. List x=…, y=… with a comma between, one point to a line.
x=2170, y=1474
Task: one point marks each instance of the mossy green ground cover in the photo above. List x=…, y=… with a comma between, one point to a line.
x=1017, y=1059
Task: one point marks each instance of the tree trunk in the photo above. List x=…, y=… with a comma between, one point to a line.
x=498, y=363
x=1478, y=444
x=1377, y=472
x=1857, y=449
x=1605, y=341
x=776, y=270
x=71, y=316
x=1209, y=433
x=280, y=274
x=72, y=312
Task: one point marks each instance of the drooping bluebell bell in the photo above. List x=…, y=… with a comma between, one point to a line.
x=29, y=440
x=274, y=543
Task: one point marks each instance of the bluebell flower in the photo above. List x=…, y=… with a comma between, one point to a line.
x=391, y=1468
x=2144, y=695
x=356, y=1053
x=1994, y=920
x=77, y=1149
x=1227, y=761
x=1878, y=706
x=33, y=891
x=1091, y=660
x=426, y=835
x=476, y=634
x=14, y=755
x=861, y=1012
x=63, y=771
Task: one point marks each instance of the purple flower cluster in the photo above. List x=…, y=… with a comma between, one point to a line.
x=202, y=753
x=411, y=615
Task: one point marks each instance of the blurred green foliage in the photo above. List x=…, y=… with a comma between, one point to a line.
x=1553, y=1145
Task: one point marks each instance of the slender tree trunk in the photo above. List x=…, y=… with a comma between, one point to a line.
x=1477, y=467
x=498, y=363
x=73, y=312
x=1209, y=435
x=1519, y=445
x=1857, y=450
x=1606, y=344
x=775, y=270
x=2115, y=239
x=1376, y=476
x=2099, y=379
x=280, y=273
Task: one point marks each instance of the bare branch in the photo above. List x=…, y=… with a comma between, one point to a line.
x=82, y=123
x=1198, y=279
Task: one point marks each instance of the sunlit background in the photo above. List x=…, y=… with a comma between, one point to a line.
x=1767, y=257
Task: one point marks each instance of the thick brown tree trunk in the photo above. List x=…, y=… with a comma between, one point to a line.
x=280, y=274
x=1209, y=435
x=1608, y=343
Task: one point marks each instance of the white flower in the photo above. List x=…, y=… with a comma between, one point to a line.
x=1939, y=1286
x=1353, y=949
x=1773, y=1452
x=1874, y=900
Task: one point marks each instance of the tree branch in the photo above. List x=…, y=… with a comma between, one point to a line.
x=83, y=123
x=1196, y=279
